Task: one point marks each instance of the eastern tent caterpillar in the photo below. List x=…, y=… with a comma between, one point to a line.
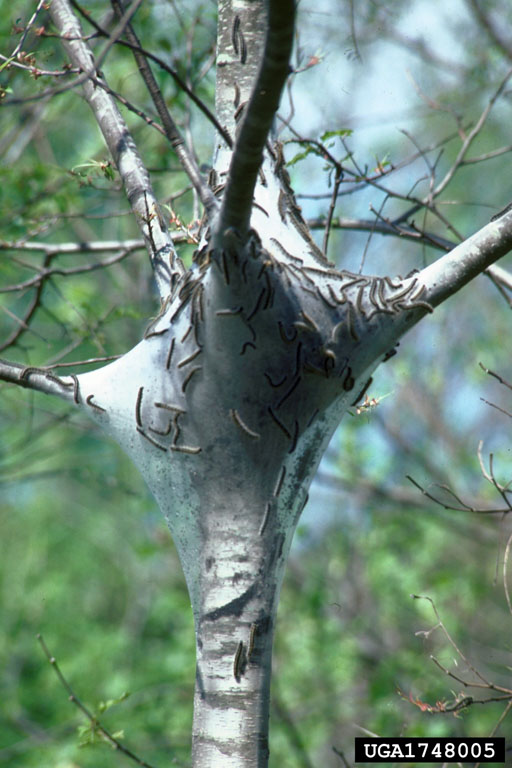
x=186, y=381
x=149, y=334
x=169, y=354
x=329, y=361
x=355, y=281
x=279, y=423
x=257, y=305
x=348, y=381
x=359, y=301
x=289, y=391
x=287, y=253
x=313, y=417
x=150, y=439
x=401, y=294
x=241, y=424
x=224, y=312
x=55, y=379
x=335, y=330
x=28, y=370
x=373, y=291
x=339, y=300
x=380, y=290
x=351, y=321
x=187, y=332
x=324, y=299
x=239, y=111
x=247, y=344
x=225, y=267
x=238, y=661
x=422, y=304
x=252, y=638
x=238, y=40
x=363, y=391
x=185, y=448
x=310, y=321
x=294, y=438
x=168, y=407
x=235, y=32
x=138, y=404
x=281, y=205
x=163, y=433
x=391, y=284
x=75, y=389
x=269, y=301
x=279, y=383
x=265, y=519
x=189, y=359
x=279, y=482
x=89, y=399
x=236, y=98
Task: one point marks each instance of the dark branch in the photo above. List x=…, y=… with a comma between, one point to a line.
x=134, y=175
x=171, y=129
x=170, y=71
x=259, y=113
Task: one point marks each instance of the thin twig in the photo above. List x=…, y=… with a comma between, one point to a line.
x=463, y=506
x=95, y=723
x=171, y=129
x=338, y=178
x=161, y=63
x=484, y=681
x=471, y=137
x=495, y=375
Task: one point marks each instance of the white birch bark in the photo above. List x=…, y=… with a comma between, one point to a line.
x=228, y=403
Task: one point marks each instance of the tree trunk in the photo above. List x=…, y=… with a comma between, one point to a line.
x=228, y=403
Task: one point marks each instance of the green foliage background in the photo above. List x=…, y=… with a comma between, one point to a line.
x=85, y=559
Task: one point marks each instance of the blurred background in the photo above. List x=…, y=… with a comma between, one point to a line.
x=85, y=558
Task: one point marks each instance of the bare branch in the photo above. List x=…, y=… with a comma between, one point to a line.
x=161, y=63
x=23, y=325
x=60, y=249
x=492, y=30
x=495, y=375
x=258, y=115
x=166, y=264
x=39, y=379
x=462, y=506
x=448, y=274
x=96, y=726
x=171, y=129
x=471, y=136
x=47, y=272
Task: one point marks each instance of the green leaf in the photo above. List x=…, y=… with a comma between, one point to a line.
x=340, y=132
x=103, y=706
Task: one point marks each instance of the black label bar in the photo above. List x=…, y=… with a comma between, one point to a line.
x=429, y=750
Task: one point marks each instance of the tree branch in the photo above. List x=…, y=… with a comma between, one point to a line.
x=38, y=379
x=395, y=228
x=171, y=129
x=161, y=63
x=166, y=264
x=451, y=272
x=492, y=30
x=259, y=113
x=470, y=138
